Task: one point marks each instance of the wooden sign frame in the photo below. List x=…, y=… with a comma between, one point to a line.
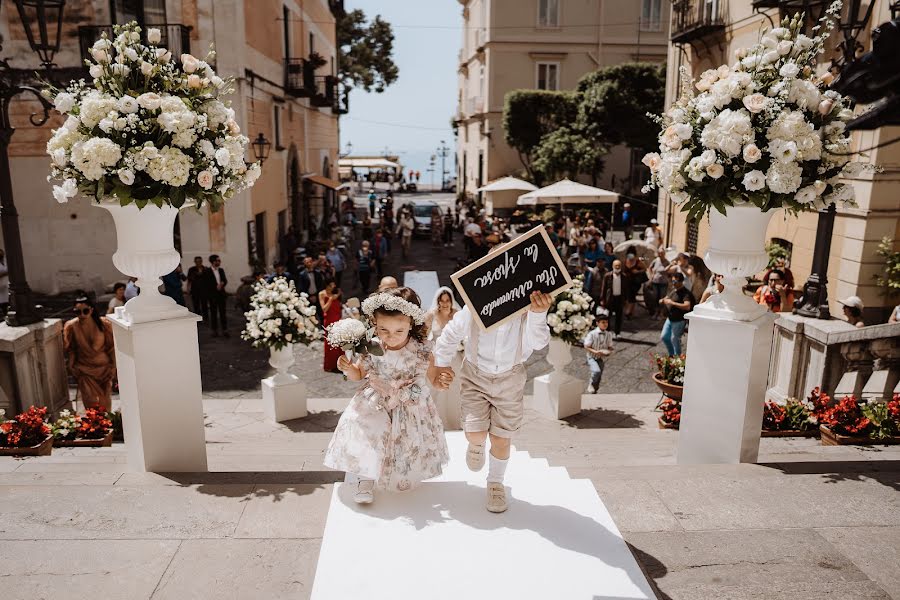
x=539, y=230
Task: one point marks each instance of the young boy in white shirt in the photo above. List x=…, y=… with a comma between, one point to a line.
x=598, y=344
x=492, y=384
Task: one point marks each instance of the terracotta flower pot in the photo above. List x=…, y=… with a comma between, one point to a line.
x=790, y=433
x=669, y=389
x=42, y=449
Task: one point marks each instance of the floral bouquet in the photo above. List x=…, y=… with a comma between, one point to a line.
x=27, y=429
x=766, y=130
x=570, y=317
x=147, y=129
x=279, y=316
x=670, y=368
x=66, y=426
x=94, y=424
x=352, y=335
x=793, y=415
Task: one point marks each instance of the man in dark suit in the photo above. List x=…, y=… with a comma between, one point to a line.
x=612, y=294
x=309, y=280
x=215, y=283
x=197, y=288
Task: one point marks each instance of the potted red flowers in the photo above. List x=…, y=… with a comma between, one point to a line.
x=669, y=376
x=671, y=413
x=855, y=421
x=92, y=428
x=26, y=435
x=794, y=418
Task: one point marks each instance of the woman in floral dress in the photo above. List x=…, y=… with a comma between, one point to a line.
x=391, y=436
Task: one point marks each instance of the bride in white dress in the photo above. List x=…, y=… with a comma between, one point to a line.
x=443, y=308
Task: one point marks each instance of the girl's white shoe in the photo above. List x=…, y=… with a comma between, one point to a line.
x=365, y=492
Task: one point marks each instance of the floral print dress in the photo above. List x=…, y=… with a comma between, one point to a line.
x=391, y=432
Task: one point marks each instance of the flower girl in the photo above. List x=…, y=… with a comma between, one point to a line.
x=391, y=436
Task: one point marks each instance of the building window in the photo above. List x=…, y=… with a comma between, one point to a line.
x=152, y=12
x=276, y=113
x=651, y=15
x=547, y=76
x=548, y=13
x=312, y=43
x=693, y=232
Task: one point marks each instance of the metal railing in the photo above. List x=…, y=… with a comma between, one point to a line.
x=175, y=37
x=299, y=77
x=694, y=19
x=324, y=91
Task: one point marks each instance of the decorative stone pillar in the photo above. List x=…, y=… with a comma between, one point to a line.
x=886, y=376
x=284, y=395
x=859, y=367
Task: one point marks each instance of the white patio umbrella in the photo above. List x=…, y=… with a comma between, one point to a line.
x=502, y=193
x=568, y=192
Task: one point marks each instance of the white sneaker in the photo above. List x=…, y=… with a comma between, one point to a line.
x=496, y=498
x=475, y=457
x=365, y=492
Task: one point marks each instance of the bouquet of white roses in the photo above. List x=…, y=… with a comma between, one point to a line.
x=570, y=316
x=765, y=130
x=147, y=129
x=352, y=335
x=280, y=316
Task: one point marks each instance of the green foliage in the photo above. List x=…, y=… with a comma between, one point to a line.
x=366, y=51
x=890, y=279
x=615, y=102
x=796, y=415
x=883, y=425
x=776, y=251
x=529, y=115
x=567, y=152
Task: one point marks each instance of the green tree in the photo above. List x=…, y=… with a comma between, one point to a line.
x=366, y=51
x=529, y=115
x=614, y=103
x=567, y=152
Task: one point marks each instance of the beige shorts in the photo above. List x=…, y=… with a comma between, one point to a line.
x=490, y=402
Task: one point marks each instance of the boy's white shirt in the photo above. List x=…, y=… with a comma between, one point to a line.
x=596, y=339
x=497, y=348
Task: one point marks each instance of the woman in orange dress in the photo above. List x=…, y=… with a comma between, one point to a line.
x=330, y=301
x=91, y=357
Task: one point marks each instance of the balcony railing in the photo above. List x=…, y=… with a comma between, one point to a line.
x=324, y=95
x=299, y=77
x=696, y=19
x=177, y=38
x=341, y=104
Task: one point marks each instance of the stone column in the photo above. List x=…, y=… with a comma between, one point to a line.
x=885, y=378
x=858, y=370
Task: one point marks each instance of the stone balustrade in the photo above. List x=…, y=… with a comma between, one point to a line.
x=834, y=356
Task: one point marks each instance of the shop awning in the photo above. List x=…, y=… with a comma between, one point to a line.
x=331, y=184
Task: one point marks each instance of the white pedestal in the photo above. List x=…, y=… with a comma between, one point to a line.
x=724, y=389
x=284, y=398
x=557, y=396
x=159, y=384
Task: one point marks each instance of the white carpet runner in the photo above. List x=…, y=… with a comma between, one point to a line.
x=557, y=541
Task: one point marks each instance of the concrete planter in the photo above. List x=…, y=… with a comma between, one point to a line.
x=830, y=438
x=106, y=440
x=42, y=449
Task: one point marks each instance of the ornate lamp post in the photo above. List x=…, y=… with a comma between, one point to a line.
x=42, y=20
x=261, y=147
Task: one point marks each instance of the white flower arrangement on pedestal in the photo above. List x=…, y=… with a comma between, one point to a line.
x=766, y=130
x=280, y=316
x=147, y=129
x=570, y=317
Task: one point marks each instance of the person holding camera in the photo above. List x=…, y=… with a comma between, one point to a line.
x=775, y=294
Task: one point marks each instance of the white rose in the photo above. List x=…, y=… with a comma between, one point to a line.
x=96, y=71
x=755, y=103
x=121, y=70
x=131, y=54
x=149, y=100
x=708, y=157
x=154, y=35
x=67, y=190
x=683, y=130
x=163, y=55
x=223, y=157
x=128, y=104
x=58, y=157
x=205, y=179
x=194, y=81
x=126, y=176
x=770, y=57
x=671, y=138
x=784, y=47
x=789, y=70
x=102, y=44
x=64, y=102
x=106, y=125
x=652, y=160
x=715, y=170
x=750, y=62
x=189, y=63
x=783, y=150
x=146, y=69
x=101, y=56
x=779, y=32
x=754, y=180
x=806, y=195
x=752, y=153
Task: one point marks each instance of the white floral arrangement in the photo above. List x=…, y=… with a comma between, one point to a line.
x=352, y=335
x=147, y=129
x=279, y=316
x=766, y=130
x=66, y=425
x=392, y=303
x=570, y=317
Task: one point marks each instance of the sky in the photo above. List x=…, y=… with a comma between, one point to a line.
x=412, y=116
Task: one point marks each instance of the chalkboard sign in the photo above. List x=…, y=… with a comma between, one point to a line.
x=498, y=287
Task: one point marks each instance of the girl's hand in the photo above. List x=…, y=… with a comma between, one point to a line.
x=344, y=364
x=444, y=378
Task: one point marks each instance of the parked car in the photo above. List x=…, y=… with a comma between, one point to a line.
x=422, y=217
x=450, y=185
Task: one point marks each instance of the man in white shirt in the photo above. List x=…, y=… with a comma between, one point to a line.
x=492, y=383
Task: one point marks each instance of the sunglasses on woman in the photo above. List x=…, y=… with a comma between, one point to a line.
x=82, y=311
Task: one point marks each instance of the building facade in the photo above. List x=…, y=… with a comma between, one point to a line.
x=280, y=92
x=541, y=44
x=706, y=34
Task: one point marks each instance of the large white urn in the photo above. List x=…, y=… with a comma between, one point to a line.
x=146, y=250
x=559, y=355
x=736, y=251
x=281, y=360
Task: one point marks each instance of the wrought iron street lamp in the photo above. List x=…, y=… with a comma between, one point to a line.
x=42, y=20
x=261, y=148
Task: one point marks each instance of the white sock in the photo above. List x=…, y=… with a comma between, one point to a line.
x=496, y=469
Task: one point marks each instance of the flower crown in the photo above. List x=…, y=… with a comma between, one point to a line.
x=394, y=303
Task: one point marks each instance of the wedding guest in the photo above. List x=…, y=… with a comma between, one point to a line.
x=216, y=281
x=280, y=272
x=172, y=285
x=336, y=258
x=196, y=287
x=716, y=287
x=330, y=301
x=598, y=344
x=609, y=255
x=118, y=298
x=677, y=304
x=365, y=261
x=448, y=228
x=853, y=307
x=613, y=294
x=659, y=280
x=380, y=249
x=479, y=248
x=437, y=227
x=405, y=227
x=593, y=280
x=387, y=283
x=653, y=234
x=627, y=221
x=775, y=295
x=90, y=355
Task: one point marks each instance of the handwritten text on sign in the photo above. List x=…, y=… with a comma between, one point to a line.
x=498, y=287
